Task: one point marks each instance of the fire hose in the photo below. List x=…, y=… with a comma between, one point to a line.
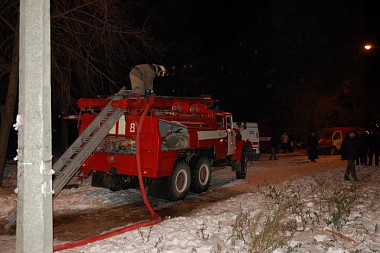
x=155, y=218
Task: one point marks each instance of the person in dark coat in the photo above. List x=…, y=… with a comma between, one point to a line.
x=274, y=141
x=373, y=147
x=349, y=153
x=362, y=147
x=312, y=145
x=376, y=149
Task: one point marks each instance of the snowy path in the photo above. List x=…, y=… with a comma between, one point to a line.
x=209, y=222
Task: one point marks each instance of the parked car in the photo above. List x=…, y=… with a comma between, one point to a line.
x=331, y=138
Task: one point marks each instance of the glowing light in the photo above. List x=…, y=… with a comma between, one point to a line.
x=145, y=172
x=368, y=47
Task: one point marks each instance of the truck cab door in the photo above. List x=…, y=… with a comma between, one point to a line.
x=222, y=150
x=231, y=136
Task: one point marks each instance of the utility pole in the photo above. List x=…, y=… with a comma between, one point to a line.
x=34, y=205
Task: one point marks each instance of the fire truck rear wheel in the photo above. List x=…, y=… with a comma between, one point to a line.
x=244, y=165
x=179, y=181
x=200, y=174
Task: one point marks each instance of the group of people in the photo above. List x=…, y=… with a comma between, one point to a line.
x=367, y=147
x=281, y=141
x=357, y=147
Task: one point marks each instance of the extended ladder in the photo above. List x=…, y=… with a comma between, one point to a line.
x=69, y=163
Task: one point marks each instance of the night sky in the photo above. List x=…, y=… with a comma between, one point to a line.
x=261, y=58
x=290, y=64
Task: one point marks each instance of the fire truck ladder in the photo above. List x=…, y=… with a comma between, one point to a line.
x=69, y=163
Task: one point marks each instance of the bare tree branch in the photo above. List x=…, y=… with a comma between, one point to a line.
x=73, y=9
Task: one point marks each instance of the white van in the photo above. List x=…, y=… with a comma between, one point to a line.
x=250, y=131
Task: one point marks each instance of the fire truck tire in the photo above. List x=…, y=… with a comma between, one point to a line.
x=179, y=183
x=244, y=165
x=200, y=174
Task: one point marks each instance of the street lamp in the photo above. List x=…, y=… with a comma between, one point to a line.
x=369, y=47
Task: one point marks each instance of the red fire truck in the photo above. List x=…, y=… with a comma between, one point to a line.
x=179, y=140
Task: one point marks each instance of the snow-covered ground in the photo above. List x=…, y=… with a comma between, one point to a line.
x=315, y=213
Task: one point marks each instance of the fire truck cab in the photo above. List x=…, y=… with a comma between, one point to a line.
x=180, y=141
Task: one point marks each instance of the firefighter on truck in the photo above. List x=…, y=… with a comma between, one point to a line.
x=141, y=76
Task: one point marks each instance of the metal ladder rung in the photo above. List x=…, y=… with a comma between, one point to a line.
x=103, y=119
x=86, y=139
x=74, y=149
x=67, y=161
x=78, y=150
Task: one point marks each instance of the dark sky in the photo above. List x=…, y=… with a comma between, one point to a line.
x=262, y=57
x=253, y=54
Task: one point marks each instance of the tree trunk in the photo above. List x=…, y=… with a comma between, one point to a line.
x=10, y=103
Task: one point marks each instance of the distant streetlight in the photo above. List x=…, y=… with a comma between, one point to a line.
x=369, y=47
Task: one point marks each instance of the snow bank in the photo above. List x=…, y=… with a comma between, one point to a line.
x=213, y=229
x=324, y=213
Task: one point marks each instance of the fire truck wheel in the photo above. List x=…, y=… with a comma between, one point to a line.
x=200, y=174
x=244, y=165
x=179, y=181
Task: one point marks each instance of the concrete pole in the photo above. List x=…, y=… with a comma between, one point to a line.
x=34, y=206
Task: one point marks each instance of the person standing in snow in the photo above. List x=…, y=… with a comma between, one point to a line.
x=373, y=147
x=362, y=147
x=376, y=148
x=284, y=142
x=312, y=145
x=274, y=140
x=349, y=153
x=142, y=76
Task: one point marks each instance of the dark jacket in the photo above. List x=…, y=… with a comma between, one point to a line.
x=363, y=143
x=349, y=150
x=376, y=142
x=312, y=144
x=274, y=141
x=373, y=142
